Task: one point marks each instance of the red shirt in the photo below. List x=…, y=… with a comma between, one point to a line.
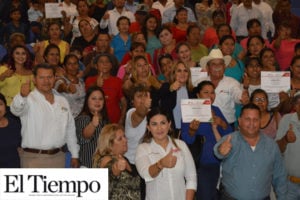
x=112, y=88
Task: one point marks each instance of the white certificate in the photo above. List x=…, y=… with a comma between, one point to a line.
x=53, y=10
x=275, y=82
x=196, y=74
x=199, y=109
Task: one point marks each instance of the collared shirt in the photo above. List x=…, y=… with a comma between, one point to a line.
x=267, y=13
x=162, y=8
x=111, y=22
x=133, y=135
x=248, y=174
x=241, y=16
x=205, y=129
x=44, y=125
x=170, y=183
x=170, y=13
x=228, y=93
x=291, y=156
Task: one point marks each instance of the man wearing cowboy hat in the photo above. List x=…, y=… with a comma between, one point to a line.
x=228, y=90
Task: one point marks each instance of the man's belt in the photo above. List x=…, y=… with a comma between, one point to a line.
x=40, y=151
x=294, y=179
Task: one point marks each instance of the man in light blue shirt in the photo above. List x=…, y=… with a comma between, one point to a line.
x=251, y=161
x=170, y=13
x=288, y=140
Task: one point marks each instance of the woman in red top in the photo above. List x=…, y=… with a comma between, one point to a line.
x=181, y=24
x=112, y=86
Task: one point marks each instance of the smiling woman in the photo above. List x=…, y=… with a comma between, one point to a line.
x=17, y=72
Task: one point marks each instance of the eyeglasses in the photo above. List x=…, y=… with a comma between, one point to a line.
x=257, y=99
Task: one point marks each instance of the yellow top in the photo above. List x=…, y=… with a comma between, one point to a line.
x=11, y=86
x=62, y=47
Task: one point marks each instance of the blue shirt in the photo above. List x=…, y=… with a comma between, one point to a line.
x=120, y=46
x=205, y=129
x=248, y=174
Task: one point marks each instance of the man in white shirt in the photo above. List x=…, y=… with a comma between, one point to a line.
x=47, y=122
x=111, y=17
x=162, y=5
x=267, y=13
x=228, y=90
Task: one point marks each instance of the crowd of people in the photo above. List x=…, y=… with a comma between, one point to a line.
x=101, y=86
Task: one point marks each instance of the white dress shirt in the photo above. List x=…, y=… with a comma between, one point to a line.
x=45, y=125
x=161, y=8
x=170, y=183
x=111, y=22
x=267, y=13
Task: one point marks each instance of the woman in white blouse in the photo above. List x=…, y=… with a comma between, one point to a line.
x=165, y=163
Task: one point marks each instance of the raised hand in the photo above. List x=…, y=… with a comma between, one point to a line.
x=175, y=86
x=194, y=125
x=105, y=16
x=147, y=100
x=290, y=135
x=169, y=161
x=121, y=163
x=100, y=80
x=226, y=146
x=7, y=73
x=72, y=88
x=96, y=118
x=25, y=88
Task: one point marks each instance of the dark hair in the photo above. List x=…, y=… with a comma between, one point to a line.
x=162, y=29
x=122, y=18
x=255, y=36
x=48, y=48
x=137, y=88
x=135, y=45
x=180, y=9
x=2, y=98
x=249, y=106
x=14, y=9
x=163, y=56
x=297, y=46
x=42, y=66
x=226, y=37
x=224, y=25
x=191, y=27
x=264, y=50
x=53, y=23
x=83, y=20
x=180, y=44
x=258, y=91
x=85, y=109
x=144, y=27
x=249, y=59
x=201, y=85
x=294, y=59
x=11, y=62
x=218, y=12
x=69, y=56
x=251, y=22
x=153, y=112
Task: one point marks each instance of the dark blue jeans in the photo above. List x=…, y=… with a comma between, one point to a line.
x=208, y=176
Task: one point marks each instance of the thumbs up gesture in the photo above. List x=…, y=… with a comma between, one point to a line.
x=100, y=80
x=121, y=163
x=96, y=118
x=226, y=146
x=169, y=161
x=290, y=135
x=25, y=88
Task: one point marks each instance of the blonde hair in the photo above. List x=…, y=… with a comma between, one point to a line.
x=135, y=60
x=105, y=142
x=189, y=84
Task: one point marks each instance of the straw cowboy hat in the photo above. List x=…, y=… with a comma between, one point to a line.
x=214, y=54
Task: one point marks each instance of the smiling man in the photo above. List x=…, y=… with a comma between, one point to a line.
x=251, y=161
x=47, y=122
